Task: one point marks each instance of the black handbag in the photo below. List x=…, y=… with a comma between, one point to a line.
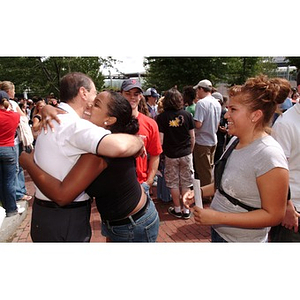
x=218, y=172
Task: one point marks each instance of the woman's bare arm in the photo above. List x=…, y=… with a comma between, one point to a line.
x=273, y=189
x=87, y=168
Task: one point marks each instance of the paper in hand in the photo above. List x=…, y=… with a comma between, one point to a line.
x=197, y=193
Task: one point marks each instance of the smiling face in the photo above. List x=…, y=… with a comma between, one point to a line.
x=239, y=117
x=99, y=112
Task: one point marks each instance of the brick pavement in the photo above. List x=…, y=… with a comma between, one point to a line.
x=171, y=230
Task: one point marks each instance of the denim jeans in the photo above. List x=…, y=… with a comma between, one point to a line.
x=215, y=237
x=145, y=229
x=146, y=188
x=20, y=178
x=8, y=166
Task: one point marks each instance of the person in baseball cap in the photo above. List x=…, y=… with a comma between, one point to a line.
x=218, y=96
x=3, y=94
x=130, y=84
x=146, y=166
x=206, y=84
x=151, y=97
x=207, y=117
x=4, y=99
x=152, y=93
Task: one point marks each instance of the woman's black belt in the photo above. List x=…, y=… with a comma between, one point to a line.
x=51, y=204
x=127, y=220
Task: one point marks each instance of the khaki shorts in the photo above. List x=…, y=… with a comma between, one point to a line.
x=179, y=172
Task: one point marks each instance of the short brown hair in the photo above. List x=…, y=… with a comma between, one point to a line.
x=71, y=83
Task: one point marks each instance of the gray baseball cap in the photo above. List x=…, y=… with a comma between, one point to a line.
x=217, y=95
x=130, y=84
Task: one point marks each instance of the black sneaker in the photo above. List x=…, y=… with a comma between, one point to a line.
x=186, y=216
x=171, y=211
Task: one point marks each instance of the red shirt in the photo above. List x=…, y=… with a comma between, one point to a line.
x=9, y=122
x=149, y=132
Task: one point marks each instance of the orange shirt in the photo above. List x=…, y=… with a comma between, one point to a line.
x=149, y=132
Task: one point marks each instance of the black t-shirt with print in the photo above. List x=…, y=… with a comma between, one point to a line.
x=175, y=125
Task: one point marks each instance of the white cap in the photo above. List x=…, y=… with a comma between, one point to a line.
x=203, y=83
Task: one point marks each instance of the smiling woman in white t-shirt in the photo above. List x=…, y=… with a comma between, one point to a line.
x=256, y=172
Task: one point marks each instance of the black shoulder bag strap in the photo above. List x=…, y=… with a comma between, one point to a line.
x=218, y=172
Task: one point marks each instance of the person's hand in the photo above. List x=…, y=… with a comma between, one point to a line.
x=25, y=159
x=222, y=129
x=290, y=220
x=205, y=216
x=188, y=199
x=142, y=152
x=149, y=181
x=48, y=114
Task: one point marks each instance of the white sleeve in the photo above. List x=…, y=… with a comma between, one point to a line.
x=281, y=134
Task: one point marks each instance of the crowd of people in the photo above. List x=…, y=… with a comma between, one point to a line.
x=113, y=147
x=12, y=190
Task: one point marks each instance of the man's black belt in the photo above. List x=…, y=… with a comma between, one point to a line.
x=51, y=204
x=127, y=220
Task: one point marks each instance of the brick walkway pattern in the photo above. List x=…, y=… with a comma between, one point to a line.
x=171, y=230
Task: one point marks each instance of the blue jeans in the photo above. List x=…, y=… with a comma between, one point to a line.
x=216, y=238
x=146, y=188
x=145, y=229
x=20, y=178
x=8, y=167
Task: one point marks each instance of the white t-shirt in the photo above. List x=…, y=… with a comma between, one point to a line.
x=286, y=130
x=14, y=105
x=239, y=181
x=57, y=152
x=207, y=111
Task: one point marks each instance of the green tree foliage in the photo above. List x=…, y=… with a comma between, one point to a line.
x=294, y=61
x=166, y=72
x=41, y=75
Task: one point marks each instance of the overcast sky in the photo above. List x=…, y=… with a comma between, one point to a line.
x=128, y=64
